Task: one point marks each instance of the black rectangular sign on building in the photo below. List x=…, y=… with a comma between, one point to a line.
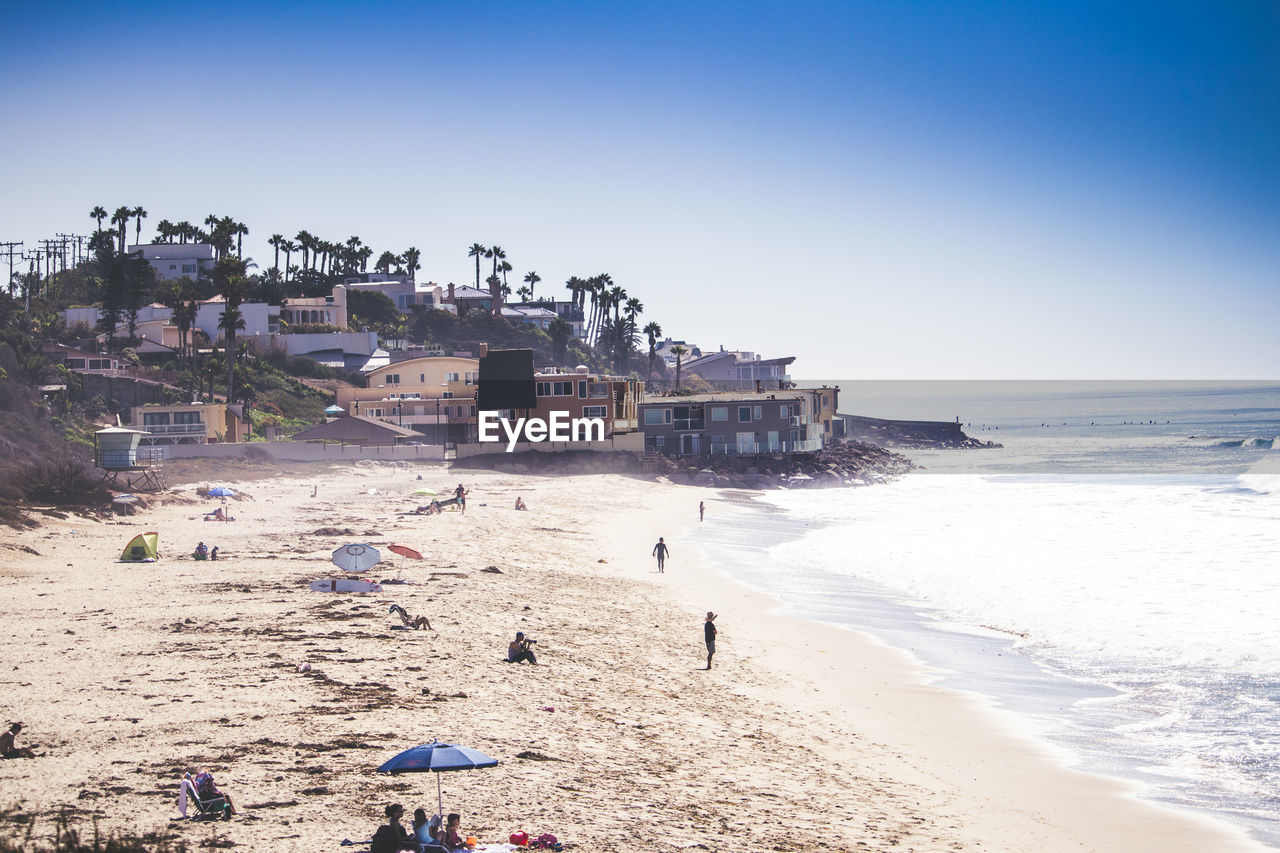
x=506, y=381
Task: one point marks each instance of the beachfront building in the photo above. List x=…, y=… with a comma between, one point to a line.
x=740, y=369
x=177, y=260
x=190, y=423
x=577, y=393
x=434, y=395
x=733, y=423
x=358, y=430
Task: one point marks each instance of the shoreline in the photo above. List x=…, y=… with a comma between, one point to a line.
x=803, y=736
x=977, y=662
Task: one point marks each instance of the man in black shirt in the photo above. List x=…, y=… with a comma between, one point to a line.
x=709, y=631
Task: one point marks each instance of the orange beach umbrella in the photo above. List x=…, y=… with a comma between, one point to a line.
x=405, y=551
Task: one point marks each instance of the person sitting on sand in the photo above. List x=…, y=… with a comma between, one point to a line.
x=520, y=504
x=9, y=749
x=408, y=621
x=392, y=836
x=518, y=650
x=452, y=838
x=201, y=551
x=213, y=555
x=426, y=831
x=208, y=791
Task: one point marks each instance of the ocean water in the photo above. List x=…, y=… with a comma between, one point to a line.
x=1112, y=572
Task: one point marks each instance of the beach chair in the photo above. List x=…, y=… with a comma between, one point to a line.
x=206, y=807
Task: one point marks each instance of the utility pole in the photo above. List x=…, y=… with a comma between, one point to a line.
x=8, y=250
x=33, y=274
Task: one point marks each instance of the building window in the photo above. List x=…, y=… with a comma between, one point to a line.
x=473, y=411
x=582, y=389
x=393, y=379
x=688, y=417
x=744, y=414
x=759, y=413
x=155, y=419
x=719, y=413
x=187, y=268
x=599, y=391
x=173, y=266
x=472, y=377
x=76, y=363
x=595, y=411
x=654, y=442
x=784, y=411
x=422, y=379
x=542, y=389
x=657, y=417
x=99, y=364
x=717, y=444
x=186, y=417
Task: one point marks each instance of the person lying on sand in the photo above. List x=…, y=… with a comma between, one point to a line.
x=520, y=505
x=408, y=621
x=9, y=749
x=216, y=515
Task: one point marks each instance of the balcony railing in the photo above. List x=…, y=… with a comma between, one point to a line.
x=176, y=429
x=757, y=448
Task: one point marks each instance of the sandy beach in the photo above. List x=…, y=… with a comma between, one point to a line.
x=801, y=737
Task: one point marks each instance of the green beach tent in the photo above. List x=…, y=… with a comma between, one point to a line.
x=143, y=548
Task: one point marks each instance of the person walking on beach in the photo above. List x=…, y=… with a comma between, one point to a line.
x=709, y=634
x=702, y=510
x=661, y=551
x=461, y=494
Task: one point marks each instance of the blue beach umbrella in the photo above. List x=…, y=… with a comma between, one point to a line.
x=221, y=492
x=436, y=757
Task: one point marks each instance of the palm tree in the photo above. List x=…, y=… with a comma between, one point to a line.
x=495, y=292
x=289, y=248
x=560, y=332
x=164, y=231
x=275, y=242
x=240, y=231
x=497, y=254
x=99, y=213
x=305, y=241
x=212, y=221
x=476, y=251
x=138, y=215
x=184, y=229
x=120, y=219
x=385, y=260
x=654, y=331
x=531, y=278
x=233, y=290
x=524, y=293
x=411, y=256
x=678, y=351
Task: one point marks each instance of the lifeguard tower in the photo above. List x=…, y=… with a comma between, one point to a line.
x=115, y=452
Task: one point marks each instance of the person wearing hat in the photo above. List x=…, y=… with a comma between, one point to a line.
x=8, y=749
x=709, y=634
x=518, y=650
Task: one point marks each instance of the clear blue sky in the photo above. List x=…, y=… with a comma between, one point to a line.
x=885, y=190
